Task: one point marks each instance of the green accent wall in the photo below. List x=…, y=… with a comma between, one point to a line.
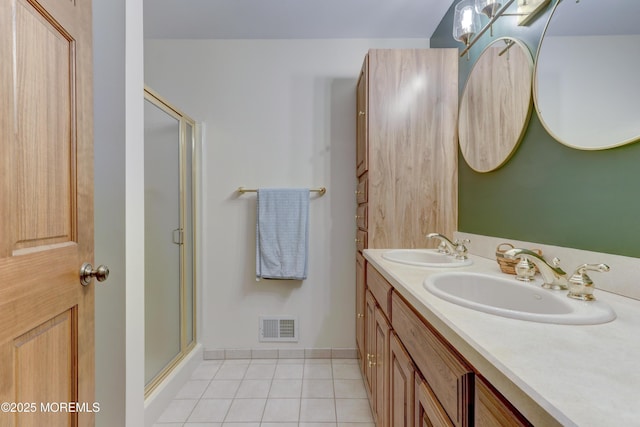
x=547, y=192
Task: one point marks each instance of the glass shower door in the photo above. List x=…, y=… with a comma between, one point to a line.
x=169, y=238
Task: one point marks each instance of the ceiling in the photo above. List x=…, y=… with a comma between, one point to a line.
x=292, y=19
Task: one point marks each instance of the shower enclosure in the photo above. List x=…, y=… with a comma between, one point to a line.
x=169, y=142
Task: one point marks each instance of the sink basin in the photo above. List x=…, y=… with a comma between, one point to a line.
x=508, y=297
x=424, y=258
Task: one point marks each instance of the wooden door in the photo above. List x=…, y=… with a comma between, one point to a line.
x=46, y=213
x=429, y=412
x=401, y=385
x=380, y=392
x=362, y=145
x=370, y=344
x=360, y=309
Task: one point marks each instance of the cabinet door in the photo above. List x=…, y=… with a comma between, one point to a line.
x=429, y=412
x=401, y=385
x=362, y=155
x=492, y=410
x=381, y=390
x=450, y=378
x=370, y=343
x=360, y=308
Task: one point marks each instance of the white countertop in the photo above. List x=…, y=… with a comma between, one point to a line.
x=584, y=375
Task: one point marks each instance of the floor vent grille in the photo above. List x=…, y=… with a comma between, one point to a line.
x=278, y=328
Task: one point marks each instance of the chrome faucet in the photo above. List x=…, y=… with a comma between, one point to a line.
x=446, y=246
x=554, y=277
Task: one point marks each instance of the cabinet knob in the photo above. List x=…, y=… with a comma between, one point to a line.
x=358, y=240
x=361, y=113
x=360, y=316
x=358, y=192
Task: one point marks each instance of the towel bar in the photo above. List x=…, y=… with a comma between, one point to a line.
x=320, y=190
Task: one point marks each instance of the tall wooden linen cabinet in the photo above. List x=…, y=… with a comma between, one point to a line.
x=406, y=139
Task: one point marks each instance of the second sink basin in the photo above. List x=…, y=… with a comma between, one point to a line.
x=424, y=258
x=511, y=298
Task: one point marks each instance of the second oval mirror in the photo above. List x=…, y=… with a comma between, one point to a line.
x=586, y=84
x=496, y=105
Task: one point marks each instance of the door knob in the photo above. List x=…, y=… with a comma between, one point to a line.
x=87, y=273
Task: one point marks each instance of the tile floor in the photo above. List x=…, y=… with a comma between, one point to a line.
x=271, y=393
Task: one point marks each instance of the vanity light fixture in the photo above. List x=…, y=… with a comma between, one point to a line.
x=491, y=8
x=488, y=7
x=466, y=22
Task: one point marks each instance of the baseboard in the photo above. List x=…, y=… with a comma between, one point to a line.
x=291, y=353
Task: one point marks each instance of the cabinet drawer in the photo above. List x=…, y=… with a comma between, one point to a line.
x=361, y=240
x=361, y=217
x=380, y=288
x=362, y=191
x=493, y=410
x=447, y=375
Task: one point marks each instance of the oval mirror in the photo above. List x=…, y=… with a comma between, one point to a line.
x=586, y=86
x=496, y=104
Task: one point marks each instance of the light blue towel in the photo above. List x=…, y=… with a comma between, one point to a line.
x=282, y=233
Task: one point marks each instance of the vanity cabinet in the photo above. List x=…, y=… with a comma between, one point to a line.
x=413, y=376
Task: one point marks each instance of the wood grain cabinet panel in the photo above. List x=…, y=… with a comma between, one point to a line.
x=370, y=345
x=381, y=362
x=402, y=375
x=492, y=410
x=448, y=376
x=380, y=288
x=360, y=306
x=428, y=411
x=406, y=142
x=362, y=152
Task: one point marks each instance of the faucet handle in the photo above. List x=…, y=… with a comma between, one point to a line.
x=461, y=249
x=525, y=269
x=580, y=284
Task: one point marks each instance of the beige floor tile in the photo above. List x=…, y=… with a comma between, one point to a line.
x=322, y=371
x=246, y=410
x=260, y=371
x=286, y=389
x=282, y=410
x=350, y=389
x=221, y=389
x=312, y=388
x=210, y=410
x=317, y=410
x=353, y=410
x=289, y=372
x=253, y=389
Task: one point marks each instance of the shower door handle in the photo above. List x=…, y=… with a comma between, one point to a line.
x=178, y=236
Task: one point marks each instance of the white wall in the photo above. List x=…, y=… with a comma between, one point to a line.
x=109, y=148
x=134, y=212
x=119, y=214
x=278, y=113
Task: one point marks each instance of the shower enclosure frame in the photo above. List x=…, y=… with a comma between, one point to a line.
x=187, y=151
